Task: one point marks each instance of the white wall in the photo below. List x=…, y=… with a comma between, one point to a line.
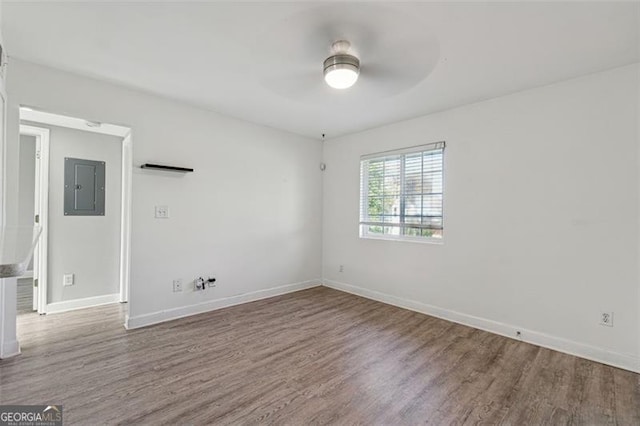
x=541, y=217
x=250, y=213
x=86, y=246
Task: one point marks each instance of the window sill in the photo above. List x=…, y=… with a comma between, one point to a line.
x=421, y=240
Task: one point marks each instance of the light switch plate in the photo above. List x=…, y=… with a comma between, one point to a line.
x=162, y=212
x=67, y=280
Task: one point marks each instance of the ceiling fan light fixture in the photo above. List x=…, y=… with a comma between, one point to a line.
x=341, y=71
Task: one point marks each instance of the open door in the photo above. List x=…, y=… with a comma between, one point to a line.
x=40, y=208
x=36, y=221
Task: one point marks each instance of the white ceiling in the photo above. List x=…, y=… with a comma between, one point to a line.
x=262, y=62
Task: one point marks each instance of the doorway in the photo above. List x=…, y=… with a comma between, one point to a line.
x=82, y=258
x=33, y=203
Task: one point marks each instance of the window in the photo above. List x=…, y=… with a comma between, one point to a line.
x=401, y=193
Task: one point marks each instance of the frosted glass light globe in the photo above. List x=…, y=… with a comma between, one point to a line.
x=341, y=77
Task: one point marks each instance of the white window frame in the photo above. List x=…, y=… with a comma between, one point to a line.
x=364, y=194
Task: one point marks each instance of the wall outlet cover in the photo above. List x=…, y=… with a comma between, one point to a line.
x=177, y=286
x=162, y=212
x=606, y=318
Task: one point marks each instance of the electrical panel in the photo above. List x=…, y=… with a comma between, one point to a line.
x=84, y=187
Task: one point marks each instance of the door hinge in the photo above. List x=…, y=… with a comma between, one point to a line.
x=37, y=155
x=37, y=218
x=35, y=282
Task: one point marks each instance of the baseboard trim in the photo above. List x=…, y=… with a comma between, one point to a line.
x=87, y=302
x=615, y=359
x=9, y=349
x=212, y=305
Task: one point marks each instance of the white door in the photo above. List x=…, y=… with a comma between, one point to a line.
x=36, y=220
x=40, y=213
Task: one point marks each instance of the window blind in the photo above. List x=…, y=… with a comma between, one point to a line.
x=401, y=192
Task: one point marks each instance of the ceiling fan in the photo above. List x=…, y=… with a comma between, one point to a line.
x=359, y=49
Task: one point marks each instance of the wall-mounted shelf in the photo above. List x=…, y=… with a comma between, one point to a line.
x=166, y=168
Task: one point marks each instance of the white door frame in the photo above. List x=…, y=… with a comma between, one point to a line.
x=125, y=219
x=41, y=208
x=41, y=212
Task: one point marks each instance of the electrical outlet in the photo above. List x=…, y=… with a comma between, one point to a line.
x=198, y=284
x=341, y=268
x=67, y=280
x=606, y=318
x=162, y=212
x=210, y=283
x=201, y=283
x=177, y=286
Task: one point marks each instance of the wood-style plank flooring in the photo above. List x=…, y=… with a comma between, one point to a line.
x=317, y=356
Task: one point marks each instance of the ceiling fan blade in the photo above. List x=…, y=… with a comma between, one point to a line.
x=296, y=86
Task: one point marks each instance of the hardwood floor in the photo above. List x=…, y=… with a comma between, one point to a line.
x=317, y=356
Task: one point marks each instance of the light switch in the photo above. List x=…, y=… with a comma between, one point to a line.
x=162, y=212
x=67, y=280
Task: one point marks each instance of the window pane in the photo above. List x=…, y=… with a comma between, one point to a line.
x=392, y=178
x=375, y=229
x=413, y=205
x=375, y=178
x=392, y=166
x=432, y=161
x=391, y=230
x=413, y=220
x=432, y=205
x=377, y=219
x=413, y=174
x=391, y=185
x=433, y=222
x=392, y=219
x=433, y=182
x=392, y=206
x=432, y=233
x=374, y=207
x=413, y=232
